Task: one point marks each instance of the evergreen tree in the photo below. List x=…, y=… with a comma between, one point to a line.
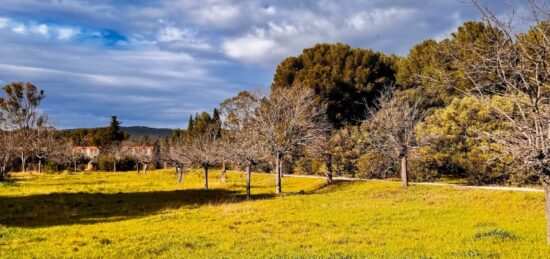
x=190, y=125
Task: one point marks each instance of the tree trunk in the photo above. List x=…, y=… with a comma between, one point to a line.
x=404, y=172
x=180, y=175
x=205, y=177
x=145, y=168
x=114, y=166
x=224, y=170
x=137, y=168
x=328, y=174
x=2, y=170
x=75, y=166
x=547, y=208
x=23, y=160
x=278, y=188
x=281, y=167
x=248, y=177
x=39, y=165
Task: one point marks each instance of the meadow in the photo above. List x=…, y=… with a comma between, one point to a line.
x=126, y=215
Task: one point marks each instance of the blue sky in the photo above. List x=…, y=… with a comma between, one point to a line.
x=154, y=63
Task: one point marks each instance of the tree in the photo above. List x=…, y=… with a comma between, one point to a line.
x=19, y=113
x=340, y=76
x=71, y=153
x=287, y=120
x=323, y=148
x=144, y=155
x=117, y=152
x=44, y=144
x=390, y=128
x=7, y=153
x=515, y=65
x=174, y=152
x=203, y=151
x=457, y=144
x=241, y=143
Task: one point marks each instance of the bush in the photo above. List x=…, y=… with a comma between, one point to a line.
x=375, y=165
x=307, y=166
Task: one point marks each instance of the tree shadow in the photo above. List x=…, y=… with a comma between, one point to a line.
x=88, y=208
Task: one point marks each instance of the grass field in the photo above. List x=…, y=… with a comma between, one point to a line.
x=119, y=215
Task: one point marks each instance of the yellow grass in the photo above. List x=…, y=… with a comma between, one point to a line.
x=129, y=215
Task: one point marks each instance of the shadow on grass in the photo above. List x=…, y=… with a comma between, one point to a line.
x=88, y=208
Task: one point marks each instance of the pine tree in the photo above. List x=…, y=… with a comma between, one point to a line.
x=190, y=125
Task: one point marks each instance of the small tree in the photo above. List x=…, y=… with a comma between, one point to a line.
x=174, y=152
x=44, y=144
x=7, y=154
x=144, y=155
x=117, y=152
x=202, y=150
x=241, y=143
x=322, y=148
x=287, y=120
x=390, y=126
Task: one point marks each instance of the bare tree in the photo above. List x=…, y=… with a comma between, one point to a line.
x=390, y=126
x=515, y=65
x=287, y=120
x=117, y=152
x=174, y=152
x=44, y=144
x=144, y=155
x=72, y=153
x=7, y=154
x=241, y=143
x=203, y=151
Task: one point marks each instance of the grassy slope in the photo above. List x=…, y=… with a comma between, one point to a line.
x=108, y=215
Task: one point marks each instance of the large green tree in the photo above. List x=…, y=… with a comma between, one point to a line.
x=342, y=77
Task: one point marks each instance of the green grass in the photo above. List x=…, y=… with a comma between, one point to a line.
x=118, y=215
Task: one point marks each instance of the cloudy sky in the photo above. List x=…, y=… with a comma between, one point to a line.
x=154, y=63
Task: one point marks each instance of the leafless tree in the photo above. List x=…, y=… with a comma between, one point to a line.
x=7, y=153
x=175, y=153
x=144, y=155
x=117, y=152
x=70, y=153
x=516, y=65
x=287, y=120
x=390, y=125
x=44, y=144
x=203, y=151
x=241, y=143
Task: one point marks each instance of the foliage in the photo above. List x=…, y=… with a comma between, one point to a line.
x=458, y=145
x=342, y=77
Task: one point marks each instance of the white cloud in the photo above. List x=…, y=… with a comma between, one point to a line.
x=65, y=33
x=222, y=15
x=41, y=29
x=4, y=22
x=174, y=34
x=249, y=48
x=19, y=28
x=181, y=39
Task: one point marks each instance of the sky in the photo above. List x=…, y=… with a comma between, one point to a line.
x=155, y=63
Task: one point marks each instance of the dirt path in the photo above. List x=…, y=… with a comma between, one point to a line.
x=458, y=186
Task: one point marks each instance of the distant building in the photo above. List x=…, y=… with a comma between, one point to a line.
x=140, y=150
x=88, y=152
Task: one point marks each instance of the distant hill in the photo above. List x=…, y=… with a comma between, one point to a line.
x=141, y=131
